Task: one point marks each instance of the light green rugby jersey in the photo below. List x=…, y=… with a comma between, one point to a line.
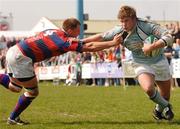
x=135, y=40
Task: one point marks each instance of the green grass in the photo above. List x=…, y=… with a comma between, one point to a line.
x=60, y=107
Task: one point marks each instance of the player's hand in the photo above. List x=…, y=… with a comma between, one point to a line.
x=118, y=39
x=147, y=49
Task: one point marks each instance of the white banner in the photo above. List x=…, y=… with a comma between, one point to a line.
x=51, y=72
x=98, y=70
x=175, y=68
x=105, y=70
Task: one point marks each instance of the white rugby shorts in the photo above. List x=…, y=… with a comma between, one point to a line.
x=19, y=65
x=160, y=69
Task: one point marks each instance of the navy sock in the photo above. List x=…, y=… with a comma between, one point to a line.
x=21, y=105
x=4, y=80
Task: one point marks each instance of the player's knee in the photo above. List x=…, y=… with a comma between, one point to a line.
x=32, y=92
x=15, y=87
x=149, y=90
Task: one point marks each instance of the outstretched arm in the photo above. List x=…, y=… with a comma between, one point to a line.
x=97, y=37
x=97, y=46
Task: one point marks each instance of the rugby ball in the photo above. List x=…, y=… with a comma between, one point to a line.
x=151, y=39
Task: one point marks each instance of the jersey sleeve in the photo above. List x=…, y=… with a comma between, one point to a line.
x=109, y=35
x=163, y=34
x=75, y=46
x=151, y=28
x=160, y=33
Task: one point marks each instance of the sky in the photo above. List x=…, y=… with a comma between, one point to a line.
x=26, y=13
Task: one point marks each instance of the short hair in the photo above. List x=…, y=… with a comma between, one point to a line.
x=70, y=23
x=126, y=11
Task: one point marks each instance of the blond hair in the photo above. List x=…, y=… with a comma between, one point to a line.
x=126, y=11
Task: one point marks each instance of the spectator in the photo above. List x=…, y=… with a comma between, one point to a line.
x=176, y=47
x=78, y=69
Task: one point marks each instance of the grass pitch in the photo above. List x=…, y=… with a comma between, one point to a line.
x=70, y=107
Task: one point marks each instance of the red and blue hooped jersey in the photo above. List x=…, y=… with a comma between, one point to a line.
x=47, y=44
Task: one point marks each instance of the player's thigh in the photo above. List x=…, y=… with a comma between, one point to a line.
x=32, y=82
x=146, y=81
x=144, y=74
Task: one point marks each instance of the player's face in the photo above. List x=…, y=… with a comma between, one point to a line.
x=128, y=23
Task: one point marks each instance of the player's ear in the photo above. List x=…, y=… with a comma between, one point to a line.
x=69, y=31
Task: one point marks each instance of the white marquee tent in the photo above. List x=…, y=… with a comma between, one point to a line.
x=43, y=24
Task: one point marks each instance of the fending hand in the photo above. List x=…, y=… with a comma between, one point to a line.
x=118, y=39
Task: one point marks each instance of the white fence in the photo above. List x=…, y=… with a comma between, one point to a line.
x=175, y=67
x=98, y=70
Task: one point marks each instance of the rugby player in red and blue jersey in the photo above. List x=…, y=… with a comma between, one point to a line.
x=49, y=43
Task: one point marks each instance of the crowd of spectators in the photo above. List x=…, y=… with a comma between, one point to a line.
x=173, y=51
